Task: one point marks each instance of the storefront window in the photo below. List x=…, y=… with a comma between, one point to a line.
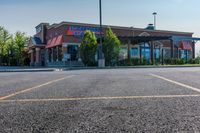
x=73, y=51
x=184, y=54
x=145, y=51
x=157, y=52
x=134, y=52
x=60, y=55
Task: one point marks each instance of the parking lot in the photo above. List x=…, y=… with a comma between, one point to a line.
x=102, y=100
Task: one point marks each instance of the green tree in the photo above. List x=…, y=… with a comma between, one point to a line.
x=88, y=48
x=11, y=50
x=4, y=38
x=20, y=41
x=111, y=47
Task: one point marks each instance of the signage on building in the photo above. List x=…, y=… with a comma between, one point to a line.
x=79, y=30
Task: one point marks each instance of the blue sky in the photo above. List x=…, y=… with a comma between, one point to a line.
x=176, y=15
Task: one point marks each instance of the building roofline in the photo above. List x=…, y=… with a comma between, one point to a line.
x=55, y=25
x=42, y=24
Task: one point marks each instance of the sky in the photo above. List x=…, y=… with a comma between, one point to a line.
x=175, y=15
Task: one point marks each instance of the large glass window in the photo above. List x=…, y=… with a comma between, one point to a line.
x=157, y=52
x=145, y=51
x=134, y=52
x=184, y=54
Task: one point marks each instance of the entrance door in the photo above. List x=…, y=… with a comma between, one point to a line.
x=73, y=52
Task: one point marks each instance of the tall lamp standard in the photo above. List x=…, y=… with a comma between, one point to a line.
x=154, y=14
x=101, y=60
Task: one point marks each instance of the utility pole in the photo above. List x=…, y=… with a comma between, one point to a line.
x=101, y=60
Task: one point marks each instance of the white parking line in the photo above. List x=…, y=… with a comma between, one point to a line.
x=99, y=98
x=35, y=87
x=175, y=82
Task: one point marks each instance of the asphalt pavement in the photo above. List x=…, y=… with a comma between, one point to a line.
x=101, y=100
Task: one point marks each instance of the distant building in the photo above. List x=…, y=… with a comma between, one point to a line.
x=58, y=44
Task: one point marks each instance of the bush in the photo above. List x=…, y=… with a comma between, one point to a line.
x=181, y=61
x=197, y=60
x=174, y=61
x=194, y=61
x=133, y=62
x=168, y=61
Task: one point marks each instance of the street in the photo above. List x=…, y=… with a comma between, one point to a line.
x=101, y=100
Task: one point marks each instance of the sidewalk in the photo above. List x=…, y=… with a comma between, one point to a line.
x=27, y=69
x=49, y=69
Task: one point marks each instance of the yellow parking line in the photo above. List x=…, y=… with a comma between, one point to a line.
x=175, y=82
x=100, y=98
x=35, y=87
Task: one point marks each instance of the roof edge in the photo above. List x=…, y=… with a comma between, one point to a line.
x=55, y=25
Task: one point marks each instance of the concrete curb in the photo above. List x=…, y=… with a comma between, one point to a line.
x=27, y=70
x=124, y=67
x=83, y=68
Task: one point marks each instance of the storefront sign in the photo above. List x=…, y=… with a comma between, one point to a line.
x=79, y=30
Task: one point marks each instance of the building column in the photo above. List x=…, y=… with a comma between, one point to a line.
x=57, y=54
x=178, y=52
x=140, y=49
x=152, y=52
x=38, y=60
x=162, y=56
x=32, y=57
x=47, y=55
x=172, y=48
x=193, y=49
x=52, y=54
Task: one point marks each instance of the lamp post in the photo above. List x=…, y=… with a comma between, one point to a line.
x=154, y=14
x=101, y=60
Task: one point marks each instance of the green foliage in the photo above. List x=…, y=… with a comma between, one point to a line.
x=194, y=61
x=174, y=61
x=12, y=48
x=111, y=48
x=133, y=62
x=4, y=38
x=20, y=41
x=88, y=48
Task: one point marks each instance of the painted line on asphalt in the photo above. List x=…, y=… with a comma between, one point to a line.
x=33, y=88
x=99, y=98
x=175, y=82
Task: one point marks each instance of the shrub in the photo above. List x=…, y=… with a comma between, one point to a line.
x=133, y=62
x=174, y=61
x=194, y=61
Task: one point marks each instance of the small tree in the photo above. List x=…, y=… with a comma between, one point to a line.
x=111, y=47
x=20, y=41
x=88, y=48
x=4, y=38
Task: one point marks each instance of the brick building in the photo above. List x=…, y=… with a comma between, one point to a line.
x=58, y=44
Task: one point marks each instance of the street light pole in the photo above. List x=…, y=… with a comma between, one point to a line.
x=154, y=14
x=101, y=60
x=101, y=41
